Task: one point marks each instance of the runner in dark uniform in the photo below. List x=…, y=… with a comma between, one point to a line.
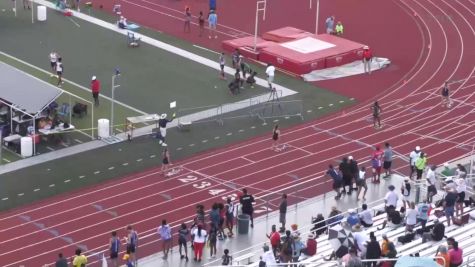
x=246, y=203
x=165, y=161
x=275, y=137
x=131, y=240
x=114, y=246
x=446, y=102
x=376, y=115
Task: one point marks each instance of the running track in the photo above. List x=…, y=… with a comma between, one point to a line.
x=412, y=115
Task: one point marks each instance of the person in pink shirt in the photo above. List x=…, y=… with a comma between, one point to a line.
x=455, y=253
x=376, y=163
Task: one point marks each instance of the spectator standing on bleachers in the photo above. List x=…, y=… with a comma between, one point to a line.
x=461, y=171
x=95, y=89
x=330, y=24
x=455, y=253
x=199, y=240
x=287, y=245
x=319, y=225
x=352, y=259
x=406, y=192
x=283, y=212
x=391, y=254
x=311, y=246
x=411, y=216
x=183, y=234
x=442, y=252
x=361, y=239
x=423, y=210
x=385, y=245
x=354, y=170
x=337, y=180
x=421, y=163
x=431, y=183
x=131, y=241
x=366, y=217
x=226, y=259
x=345, y=170
x=387, y=160
x=297, y=248
x=373, y=250
x=79, y=259
x=449, y=204
x=436, y=232
x=114, y=249
x=165, y=233
x=461, y=188
x=229, y=216
x=274, y=238
x=361, y=183
x=413, y=156
x=246, y=201
x=391, y=197
x=377, y=161
x=268, y=257
x=62, y=261
x=352, y=218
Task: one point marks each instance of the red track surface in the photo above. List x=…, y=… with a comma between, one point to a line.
x=412, y=116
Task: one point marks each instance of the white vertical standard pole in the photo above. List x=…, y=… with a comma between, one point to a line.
x=317, y=17
x=14, y=7
x=256, y=26
x=112, y=106
x=32, y=11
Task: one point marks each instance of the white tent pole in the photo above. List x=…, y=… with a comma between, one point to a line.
x=11, y=120
x=70, y=109
x=33, y=136
x=92, y=122
x=32, y=11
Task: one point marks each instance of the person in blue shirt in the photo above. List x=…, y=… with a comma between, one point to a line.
x=353, y=218
x=212, y=21
x=114, y=246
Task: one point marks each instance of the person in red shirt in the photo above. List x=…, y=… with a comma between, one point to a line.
x=95, y=88
x=367, y=58
x=274, y=237
x=376, y=162
x=311, y=246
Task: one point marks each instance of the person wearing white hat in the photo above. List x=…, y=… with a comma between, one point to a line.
x=367, y=58
x=413, y=156
x=95, y=88
x=162, y=125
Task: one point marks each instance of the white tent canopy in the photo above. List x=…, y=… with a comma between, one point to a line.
x=25, y=92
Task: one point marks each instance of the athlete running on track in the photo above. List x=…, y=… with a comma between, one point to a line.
x=376, y=115
x=275, y=137
x=445, y=93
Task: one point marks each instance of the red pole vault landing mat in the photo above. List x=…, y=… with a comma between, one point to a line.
x=298, y=51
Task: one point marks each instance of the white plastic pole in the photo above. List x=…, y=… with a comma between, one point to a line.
x=14, y=7
x=317, y=17
x=112, y=105
x=256, y=26
x=32, y=11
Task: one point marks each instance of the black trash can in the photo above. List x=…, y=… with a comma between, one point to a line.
x=243, y=223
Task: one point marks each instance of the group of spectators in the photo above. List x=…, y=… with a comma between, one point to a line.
x=349, y=173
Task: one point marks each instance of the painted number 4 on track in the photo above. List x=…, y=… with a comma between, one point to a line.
x=204, y=184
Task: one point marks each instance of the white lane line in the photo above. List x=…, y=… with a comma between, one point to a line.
x=229, y=134
x=206, y=49
x=264, y=124
x=253, y=127
x=36, y=190
x=216, y=137
x=97, y=172
x=119, y=130
x=67, y=181
x=74, y=22
x=64, y=144
x=52, y=185
x=5, y=198
x=191, y=144
x=179, y=148
x=111, y=168
x=139, y=160
x=308, y=111
x=241, y=130
x=125, y=164
x=21, y=194
x=330, y=105
x=82, y=176
x=320, y=107
x=342, y=101
x=204, y=141
x=153, y=156
x=276, y=120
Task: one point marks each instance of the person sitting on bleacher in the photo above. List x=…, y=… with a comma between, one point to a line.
x=352, y=218
x=394, y=218
x=391, y=253
x=319, y=225
x=408, y=236
x=373, y=250
x=436, y=233
x=361, y=239
x=311, y=246
x=268, y=257
x=335, y=217
x=366, y=217
x=352, y=259
x=442, y=252
x=455, y=253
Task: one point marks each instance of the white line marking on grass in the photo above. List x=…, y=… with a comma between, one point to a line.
x=139, y=160
x=253, y=127
x=352, y=99
x=216, y=137
x=36, y=190
x=52, y=185
x=153, y=156
x=82, y=176
x=229, y=134
x=276, y=120
x=97, y=172
x=111, y=168
x=74, y=22
x=21, y=194
x=330, y=105
x=191, y=144
x=125, y=164
x=67, y=181
x=342, y=101
x=308, y=111
x=179, y=148
x=78, y=141
x=206, y=49
x=320, y=107
x=204, y=141
x=5, y=198
x=6, y=160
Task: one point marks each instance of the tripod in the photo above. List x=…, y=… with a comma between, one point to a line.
x=273, y=98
